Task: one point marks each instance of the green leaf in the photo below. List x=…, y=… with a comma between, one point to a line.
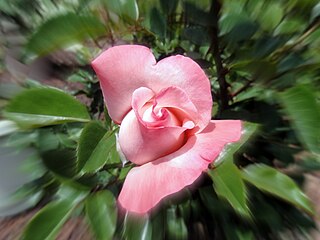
x=267, y=45
x=276, y=183
x=315, y=13
x=47, y=140
x=100, y=154
x=64, y=30
x=45, y=106
x=101, y=212
x=61, y=162
x=301, y=105
x=196, y=14
x=242, y=31
x=229, y=185
x=46, y=224
x=197, y=35
x=176, y=227
x=248, y=129
x=90, y=136
x=289, y=26
x=123, y=8
x=228, y=21
x=169, y=6
x=7, y=127
x=136, y=227
x=158, y=23
x=271, y=16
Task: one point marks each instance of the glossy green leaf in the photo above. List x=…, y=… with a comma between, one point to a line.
x=248, y=129
x=45, y=106
x=123, y=8
x=64, y=30
x=304, y=111
x=276, y=183
x=46, y=224
x=101, y=212
x=62, y=162
x=229, y=185
x=137, y=227
x=100, y=155
x=90, y=136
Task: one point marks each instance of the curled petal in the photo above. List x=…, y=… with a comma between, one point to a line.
x=145, y=186
x=123, y=69
x=178, y=101
x=144, y=106
x=141, y=144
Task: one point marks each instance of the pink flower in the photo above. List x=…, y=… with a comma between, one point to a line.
x=164, y=112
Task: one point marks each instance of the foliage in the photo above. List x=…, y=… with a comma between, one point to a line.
x=262, y=59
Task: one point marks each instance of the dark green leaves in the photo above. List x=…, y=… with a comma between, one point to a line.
x=242, y=31
x=274, y=182
x=304, y=112
x=61, y=162
x=101, y=213
x=177, y=228
x=169, y=6
x=158, y=23
x=46, y=224
x=45, y=106
x=63, y=30
x=229, y=185
x=96, y=147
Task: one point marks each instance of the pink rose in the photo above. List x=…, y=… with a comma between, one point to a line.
x=164, y=112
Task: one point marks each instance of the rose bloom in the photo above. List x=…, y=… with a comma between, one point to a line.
x=164, y=113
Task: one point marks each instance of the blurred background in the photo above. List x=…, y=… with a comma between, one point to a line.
x=263, y=61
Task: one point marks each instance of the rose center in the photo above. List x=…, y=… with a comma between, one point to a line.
x=159, y=117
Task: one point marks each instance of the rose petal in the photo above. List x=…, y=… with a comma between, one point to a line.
x=147, y=185
x=141, y=144
x=123, y=69
x=176, y=99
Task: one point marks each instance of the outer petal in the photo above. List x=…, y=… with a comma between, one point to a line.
x=146, y=185
x=122, y=69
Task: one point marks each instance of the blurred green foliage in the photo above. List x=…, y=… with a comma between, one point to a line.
x=262, y=58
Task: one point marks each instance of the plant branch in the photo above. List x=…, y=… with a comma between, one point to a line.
x=215, y=49
x=288, y=47
x=243, y=88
